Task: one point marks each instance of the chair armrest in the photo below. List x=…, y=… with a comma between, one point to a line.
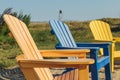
x=105, y=41
x=64, y=53
x=117, y=39
x=94, y=44
x=94, y=47
x=81, y=53
x=77, y=48
x=55, y=63
x=104, y=45
x=93, y=50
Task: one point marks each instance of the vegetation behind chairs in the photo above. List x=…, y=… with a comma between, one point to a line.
x=7, y=52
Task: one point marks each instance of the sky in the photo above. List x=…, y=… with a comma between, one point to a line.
x=72, y=10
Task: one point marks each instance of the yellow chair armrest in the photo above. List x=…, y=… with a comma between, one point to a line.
x=105, y=41
x=117, y=39
x=54, y=63
x=64, y=53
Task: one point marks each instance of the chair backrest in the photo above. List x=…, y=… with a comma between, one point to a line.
x=62, y=33
x=101, y=30
x=26, y=43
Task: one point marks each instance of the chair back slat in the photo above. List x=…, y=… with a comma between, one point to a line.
x=63, y=33
x=101, y=30
x=27, y=44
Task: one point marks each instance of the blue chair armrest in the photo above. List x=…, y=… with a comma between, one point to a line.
x=104, y=45
x=93, y=48
x=94, y=44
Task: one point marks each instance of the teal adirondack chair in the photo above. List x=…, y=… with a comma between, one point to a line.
x=66, y=41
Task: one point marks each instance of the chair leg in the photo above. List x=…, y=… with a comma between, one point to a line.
x=108, y=72
x=94, y=68
x=112, y=57
x=94, y=73
x=83, y=72
x=28, y=72
x=112, y=62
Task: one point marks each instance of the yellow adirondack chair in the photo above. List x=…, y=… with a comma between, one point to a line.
x=32, y=64
x=102, y=32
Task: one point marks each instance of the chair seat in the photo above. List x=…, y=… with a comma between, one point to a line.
x=103, y=61
x=71, y=75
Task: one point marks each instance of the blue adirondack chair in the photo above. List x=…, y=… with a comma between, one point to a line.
x=66, y=41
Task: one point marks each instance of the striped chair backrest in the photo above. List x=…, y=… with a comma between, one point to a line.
x=62, y=33
x=101, y=30
x=27, y=44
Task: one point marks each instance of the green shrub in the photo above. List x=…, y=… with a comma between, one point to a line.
x=3, y=27
x=24, y=17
